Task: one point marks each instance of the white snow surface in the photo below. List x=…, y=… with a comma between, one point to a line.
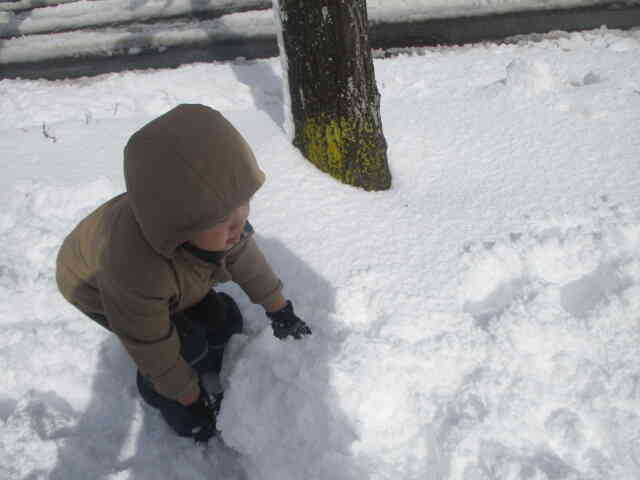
x=480, y=320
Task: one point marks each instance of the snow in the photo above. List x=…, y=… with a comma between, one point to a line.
x=88, y=13
x=91, y=13
x=381, y=10
x=28, y=44
x=160, y=35
x=16, y=5
x=477, y=321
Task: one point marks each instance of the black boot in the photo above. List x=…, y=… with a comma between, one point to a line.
x=197, y=421
x=147, y=392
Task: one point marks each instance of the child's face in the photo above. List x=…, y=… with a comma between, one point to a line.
x=224, y=235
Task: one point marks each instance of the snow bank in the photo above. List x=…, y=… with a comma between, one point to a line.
x=87, y=13
x=160, y=36
x=403, y=10
x=30, y=45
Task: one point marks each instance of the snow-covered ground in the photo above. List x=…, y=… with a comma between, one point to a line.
x=481, y=320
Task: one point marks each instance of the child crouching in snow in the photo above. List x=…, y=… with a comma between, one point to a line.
x=144, y=264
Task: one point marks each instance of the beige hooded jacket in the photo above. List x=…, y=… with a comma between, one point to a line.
x=184, y=172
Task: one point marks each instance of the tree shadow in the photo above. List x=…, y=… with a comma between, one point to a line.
x=265, y=85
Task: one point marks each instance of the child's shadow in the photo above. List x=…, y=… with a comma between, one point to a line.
x=265, y=85
x=289, y=387
x=92, y=447
x=117, y=434
x=300, y=281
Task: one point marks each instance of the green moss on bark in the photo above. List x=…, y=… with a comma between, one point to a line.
x=348, y=150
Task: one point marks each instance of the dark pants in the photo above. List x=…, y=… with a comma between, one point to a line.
x=204, y=331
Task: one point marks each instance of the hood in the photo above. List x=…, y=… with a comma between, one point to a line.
x=185, y=171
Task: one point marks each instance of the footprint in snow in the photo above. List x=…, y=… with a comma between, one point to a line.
x=591, y=78
x=496, y=277
x=580, y=266
x=581, y=296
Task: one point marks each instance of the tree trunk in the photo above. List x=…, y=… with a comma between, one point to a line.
x=335, y=103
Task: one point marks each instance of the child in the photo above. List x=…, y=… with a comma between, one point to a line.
x=144, y=263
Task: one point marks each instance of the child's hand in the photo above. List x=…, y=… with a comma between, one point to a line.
x=285, y=323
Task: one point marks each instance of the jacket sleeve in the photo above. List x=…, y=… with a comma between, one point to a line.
x=249, y=269
x=143, y=325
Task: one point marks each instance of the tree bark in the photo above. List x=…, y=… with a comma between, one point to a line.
x=335, y=103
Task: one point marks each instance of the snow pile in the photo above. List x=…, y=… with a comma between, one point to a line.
x=161, y=36
x=479, y=320
x=381, y=10
x=70, y=15
x=28, y=4
x=84, y=14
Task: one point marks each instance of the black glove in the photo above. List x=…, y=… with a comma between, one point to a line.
x=204, y=413
x=285, y=323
